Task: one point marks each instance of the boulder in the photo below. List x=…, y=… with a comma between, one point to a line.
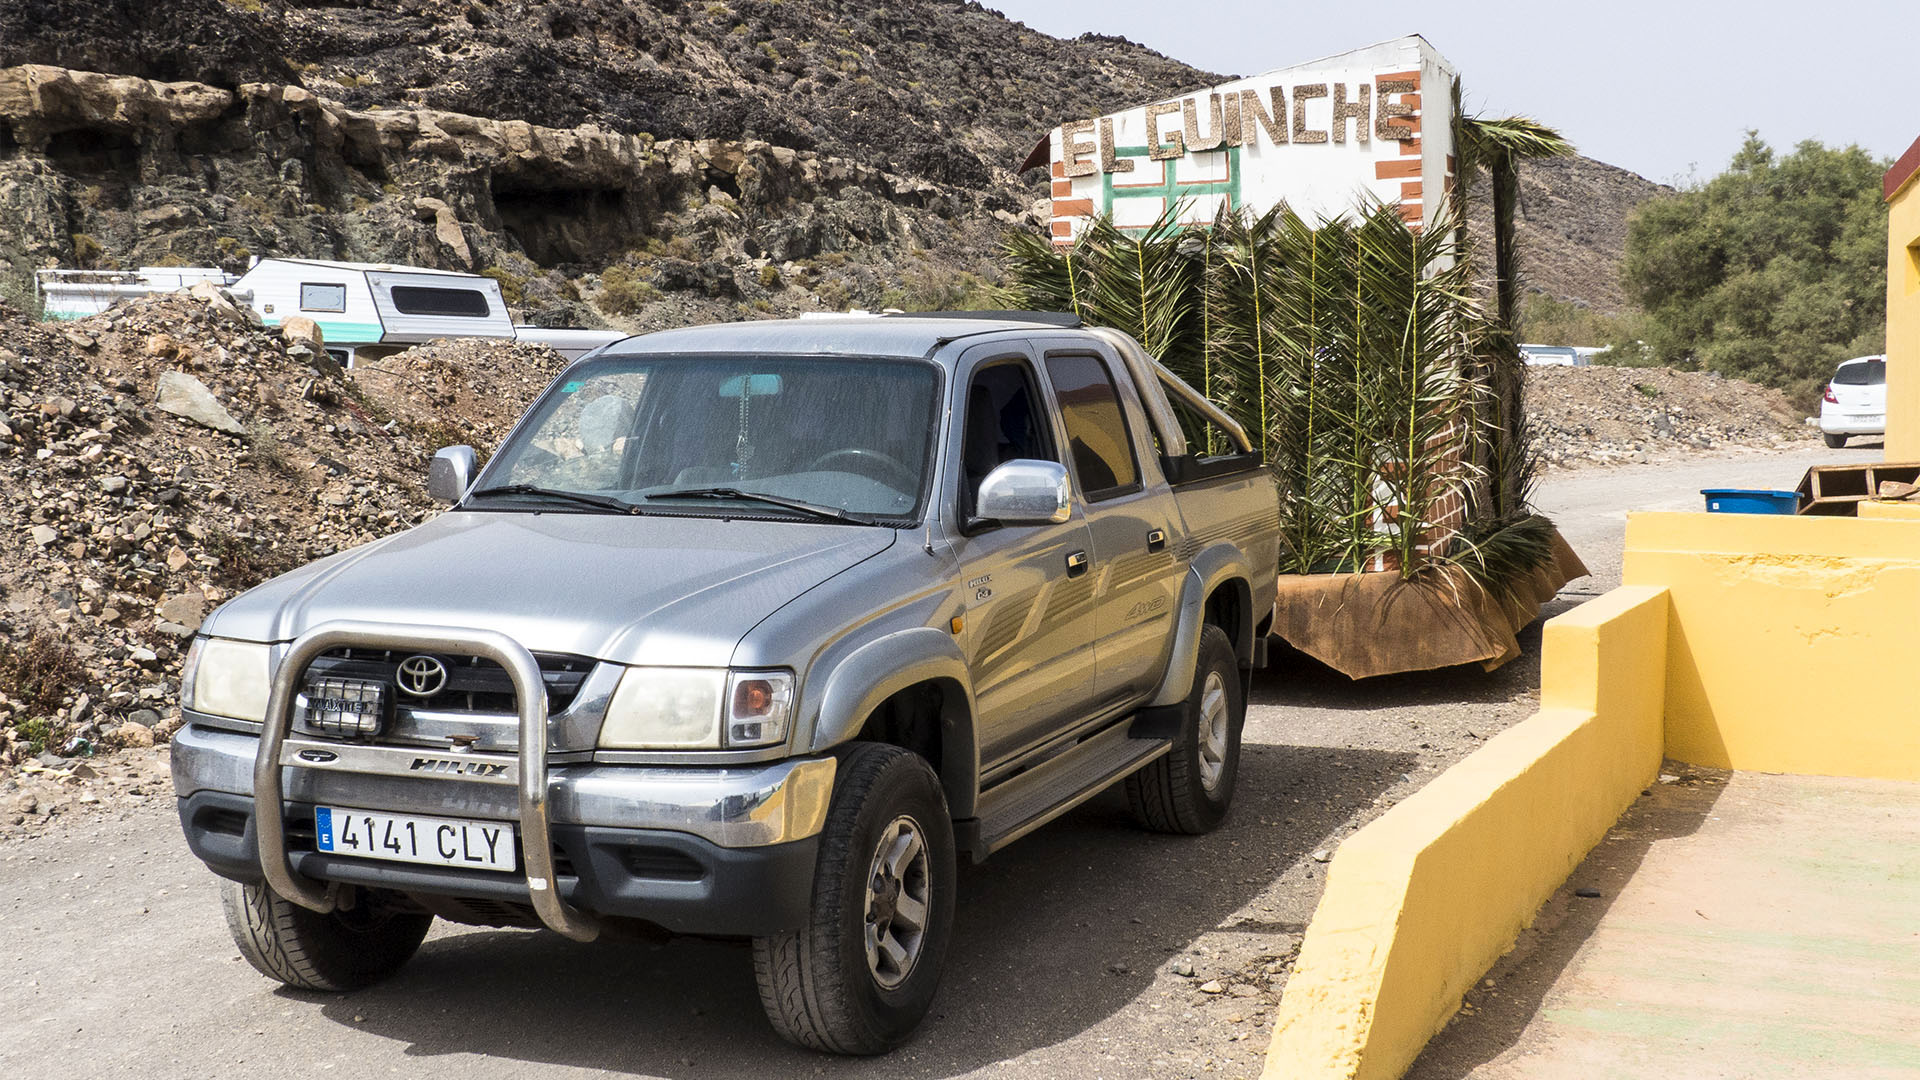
x=300, y=328
x=183, y=395
x=187, y=609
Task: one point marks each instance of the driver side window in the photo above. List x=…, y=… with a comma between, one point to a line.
x=1005, y=420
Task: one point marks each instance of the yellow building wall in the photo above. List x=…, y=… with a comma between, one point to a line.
x=1903, y=324
x=1909, y=511
x=1793, y=640
x=1423, y=900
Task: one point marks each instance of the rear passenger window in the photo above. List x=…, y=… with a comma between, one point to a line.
x=1097, y=436
x=1862, y=373
x=421, y=300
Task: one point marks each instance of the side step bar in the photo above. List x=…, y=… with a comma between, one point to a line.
x=1016, y=807
x=530, y=693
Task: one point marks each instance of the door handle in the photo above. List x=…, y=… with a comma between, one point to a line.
x=1157, y=540
x=1076, y=564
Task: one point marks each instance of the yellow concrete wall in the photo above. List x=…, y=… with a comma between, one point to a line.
x=1903, y=324
x=1422, y=901
x=1899, y=511
x=1794, y=640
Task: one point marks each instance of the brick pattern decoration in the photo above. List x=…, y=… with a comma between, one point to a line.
x=1449, y=511
x=1406, y=168
x=1066, y=208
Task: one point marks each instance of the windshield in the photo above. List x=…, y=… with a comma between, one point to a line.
x=843, y=434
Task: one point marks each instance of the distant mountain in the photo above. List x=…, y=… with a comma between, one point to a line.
x=1572, y=227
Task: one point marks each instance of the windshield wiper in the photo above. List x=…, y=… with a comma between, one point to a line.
x=815, y=510
x=602, y=502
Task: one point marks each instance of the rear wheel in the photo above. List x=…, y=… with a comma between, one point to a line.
x=858, y=978
x=340, y=950
x=1834, y=442
x=1189, y=789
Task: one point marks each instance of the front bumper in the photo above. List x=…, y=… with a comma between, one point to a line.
x=709, y=850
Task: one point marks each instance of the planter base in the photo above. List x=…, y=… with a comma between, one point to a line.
x=1363, y=625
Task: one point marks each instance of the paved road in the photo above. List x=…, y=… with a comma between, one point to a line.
x=114, y=959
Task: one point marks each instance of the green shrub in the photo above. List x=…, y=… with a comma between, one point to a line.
x=269, y=451
x=41, y=673
x=623, y=292
x=1773, y=271
x=769, y=277
x=513, y=287
x=937, y=289
x=1544, y=320
x=87, y=252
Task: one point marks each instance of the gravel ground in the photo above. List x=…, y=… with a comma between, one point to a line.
x=1088, y=949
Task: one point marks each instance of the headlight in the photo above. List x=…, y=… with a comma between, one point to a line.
x=228, y=678
x=658, y=708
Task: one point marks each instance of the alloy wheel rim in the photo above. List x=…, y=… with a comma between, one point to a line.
x=1213, y=731
x=898, y=899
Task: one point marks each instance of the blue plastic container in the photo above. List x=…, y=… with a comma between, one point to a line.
x=1738, y=501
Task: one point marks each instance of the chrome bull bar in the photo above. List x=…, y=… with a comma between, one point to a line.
x=530, y=694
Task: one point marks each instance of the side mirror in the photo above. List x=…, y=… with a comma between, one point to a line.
x=1026, y=492
x=451, y=473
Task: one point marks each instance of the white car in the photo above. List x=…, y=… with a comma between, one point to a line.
x=1856, y=401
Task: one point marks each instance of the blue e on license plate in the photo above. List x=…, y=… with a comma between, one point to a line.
x=411, y=838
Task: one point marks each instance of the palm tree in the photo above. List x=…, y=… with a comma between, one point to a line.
x=1498, y=146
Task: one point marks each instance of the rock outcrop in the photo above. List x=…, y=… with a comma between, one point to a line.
x=184, y=171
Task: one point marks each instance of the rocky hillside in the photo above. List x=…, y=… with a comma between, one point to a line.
x=166, y=455
x=1571, y=224
x=633, y=163
x=640, y=164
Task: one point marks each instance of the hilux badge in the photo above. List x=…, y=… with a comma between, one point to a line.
x=421, y=676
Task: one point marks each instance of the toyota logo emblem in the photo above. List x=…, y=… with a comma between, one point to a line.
x=421, y=676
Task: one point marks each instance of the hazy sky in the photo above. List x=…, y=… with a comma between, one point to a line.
x=1664, y=89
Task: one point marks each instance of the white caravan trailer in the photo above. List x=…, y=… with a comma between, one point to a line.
x=367, y=310
x=364, y=310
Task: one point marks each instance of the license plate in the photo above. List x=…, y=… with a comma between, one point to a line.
x=370, y=834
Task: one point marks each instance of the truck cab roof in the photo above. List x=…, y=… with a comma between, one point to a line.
x=851, y=335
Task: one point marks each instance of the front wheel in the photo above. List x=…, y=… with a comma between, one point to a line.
x=858, y=978
x=1188, y=789
x=340, y=950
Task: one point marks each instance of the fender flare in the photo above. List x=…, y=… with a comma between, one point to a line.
x=859, y=682
x=1208, y=571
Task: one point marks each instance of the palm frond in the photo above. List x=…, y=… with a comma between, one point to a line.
x=1488, y=140
x=1356, y=351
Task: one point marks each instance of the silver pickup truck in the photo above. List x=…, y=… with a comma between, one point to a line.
x=746, y=631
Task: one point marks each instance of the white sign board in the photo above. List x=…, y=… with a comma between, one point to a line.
x=1324, y=137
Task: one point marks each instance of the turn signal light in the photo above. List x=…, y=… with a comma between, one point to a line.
x=759, y=704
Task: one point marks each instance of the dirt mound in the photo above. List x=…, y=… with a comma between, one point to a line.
x=1610, y=415
x=452, y=392
x=166, y=455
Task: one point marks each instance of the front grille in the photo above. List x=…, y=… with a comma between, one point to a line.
x=473, y=685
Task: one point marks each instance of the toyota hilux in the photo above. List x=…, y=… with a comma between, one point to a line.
x=747, y=631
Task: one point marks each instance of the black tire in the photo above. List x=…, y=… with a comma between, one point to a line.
x=817, y=984
x=1179, y=792
x=1834, y=442
x=341, y=950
